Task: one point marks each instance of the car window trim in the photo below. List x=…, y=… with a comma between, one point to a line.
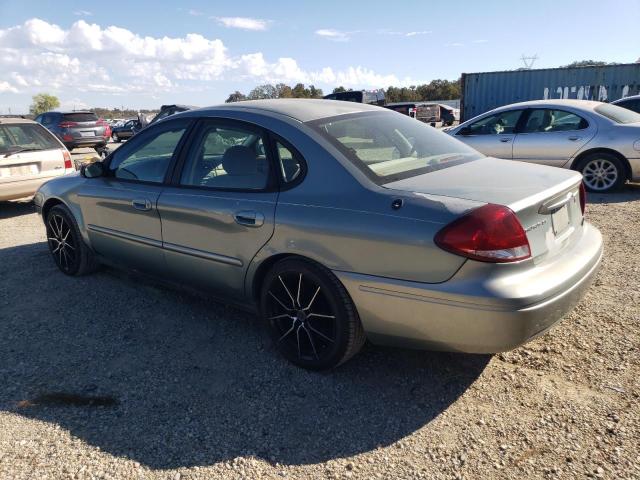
x=198, y=128
x=525, y=118
x=179, y=147
x=274, y=138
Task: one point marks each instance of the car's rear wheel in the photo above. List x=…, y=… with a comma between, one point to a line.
x=67, y=248
x=310, y=316
x=602, y=172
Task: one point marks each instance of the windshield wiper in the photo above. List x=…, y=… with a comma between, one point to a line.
x=20, y=150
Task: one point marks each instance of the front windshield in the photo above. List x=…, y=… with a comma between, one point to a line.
x=618, y=114
x=389, y=146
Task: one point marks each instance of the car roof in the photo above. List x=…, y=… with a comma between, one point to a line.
x=632, y=97
x=580, y=104
x=301, y=109
x=14, y=120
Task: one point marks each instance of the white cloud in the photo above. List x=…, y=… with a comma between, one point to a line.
x=82, y=13
x=244, y=23
x=454, y=44
x=195, y=13
x=480, y=40
x=6, y=87
x=421, y=32
x=335, y=35
x=90, y=58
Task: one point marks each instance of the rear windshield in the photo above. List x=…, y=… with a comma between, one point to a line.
x=389, y=147
x=80, y=117
x=26, y=137
x=618, y=114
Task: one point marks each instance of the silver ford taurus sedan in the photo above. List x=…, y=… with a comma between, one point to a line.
x=337, y=222
x=600, y=140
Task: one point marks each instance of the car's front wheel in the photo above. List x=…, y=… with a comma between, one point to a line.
x=67, y=248
x=602, y=172
x=310, y=316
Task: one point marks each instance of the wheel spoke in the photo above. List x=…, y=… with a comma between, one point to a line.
x=284, y=315
x=313, y=345
x=293, y=326
x=299, y=289
x=319, y=315
x=278, y=300
x=293, y=302
x=317, y=332
x=312, y=300
x=298, y=339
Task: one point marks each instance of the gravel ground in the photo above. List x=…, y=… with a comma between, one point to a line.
x=111, y=376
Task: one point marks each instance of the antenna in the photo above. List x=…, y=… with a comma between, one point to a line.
x=529, y=61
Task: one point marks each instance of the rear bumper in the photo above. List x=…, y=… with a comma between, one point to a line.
x=86, y=142
x=21, y=188
x=483, y=308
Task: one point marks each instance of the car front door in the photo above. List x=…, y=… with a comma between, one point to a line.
x=492, y=135
x=551, y=137
x=219, y=210
x=120, y=208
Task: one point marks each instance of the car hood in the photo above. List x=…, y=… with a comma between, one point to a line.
x=490, y=180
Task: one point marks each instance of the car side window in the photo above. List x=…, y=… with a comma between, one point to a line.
x=543, y=120
x=290, y=163
x=500, y=123
x=227, y=157
x=148, y=157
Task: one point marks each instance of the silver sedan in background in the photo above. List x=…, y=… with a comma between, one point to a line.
x=336, y=222
x=600, y=140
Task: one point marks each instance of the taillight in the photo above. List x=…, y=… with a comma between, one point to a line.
x=583, y=198
x=491, y=233
x=67, y=124
x=67, y=159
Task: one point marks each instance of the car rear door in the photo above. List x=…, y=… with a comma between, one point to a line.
x=219, y=210
x=551, y=136
x=493, y=134
x=120, y=208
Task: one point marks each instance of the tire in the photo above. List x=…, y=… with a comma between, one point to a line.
x=310, y=316
x=602, y=172
x=74, y=258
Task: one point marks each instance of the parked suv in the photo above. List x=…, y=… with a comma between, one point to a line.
x=29, y=156
x=372, y=97
x=77, y=129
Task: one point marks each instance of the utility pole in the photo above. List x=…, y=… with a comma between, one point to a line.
x=529, y=61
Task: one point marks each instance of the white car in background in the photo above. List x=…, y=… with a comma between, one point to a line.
x=29, y=156
x=600, y=140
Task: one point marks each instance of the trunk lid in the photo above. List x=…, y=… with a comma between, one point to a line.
x=545, y=199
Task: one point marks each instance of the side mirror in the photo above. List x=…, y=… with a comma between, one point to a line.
x=92, y=170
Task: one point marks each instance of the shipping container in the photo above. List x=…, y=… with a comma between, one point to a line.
x=484, y=91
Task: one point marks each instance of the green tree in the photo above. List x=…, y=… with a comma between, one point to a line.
x=263, y=91
x=586, y=63
x=315, y=92
x=284, y=91
x=235, y=97
x=339, y=89
x=43, y=102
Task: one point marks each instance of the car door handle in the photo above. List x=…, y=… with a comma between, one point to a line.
x=141, y=204
x=249, y=218
x=505, y=140
x=574, y=138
